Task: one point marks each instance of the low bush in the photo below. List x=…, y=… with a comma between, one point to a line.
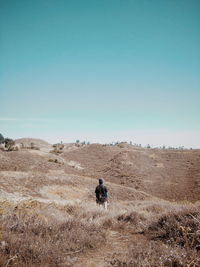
x=182, y=229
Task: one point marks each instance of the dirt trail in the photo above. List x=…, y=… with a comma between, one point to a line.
x=118, y=244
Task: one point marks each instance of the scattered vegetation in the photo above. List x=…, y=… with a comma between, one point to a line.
x=63, y=225
x=9, y=144
x=58, y=148
x=57, y=161
x=78, y=143
x=36, y=234
x=177, y=229
x=154, y=254
x=33, y=146
x=172, y=239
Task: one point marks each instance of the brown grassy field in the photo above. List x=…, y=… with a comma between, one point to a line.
x=48, y=214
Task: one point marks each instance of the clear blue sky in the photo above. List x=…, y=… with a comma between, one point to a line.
x=101, y=70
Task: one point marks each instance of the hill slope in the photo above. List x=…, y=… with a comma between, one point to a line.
x=169, y=174
x=48, y=214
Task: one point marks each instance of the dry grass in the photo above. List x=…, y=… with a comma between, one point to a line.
x=171, y=239
x=180, y=229
x=155, y=254
x=62, y=222
x=38, y=234
x=36, y=238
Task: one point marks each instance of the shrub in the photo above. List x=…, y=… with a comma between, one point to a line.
x=9, y=143
x=58, y=148
x=33, y=146
x=55, y=161
x=182, y=229
x=155, y=254
x=173, y=240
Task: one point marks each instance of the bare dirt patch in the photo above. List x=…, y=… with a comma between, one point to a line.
x=75, y=165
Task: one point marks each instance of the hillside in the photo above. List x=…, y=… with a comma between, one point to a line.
x=48, y=199
x=169, y=174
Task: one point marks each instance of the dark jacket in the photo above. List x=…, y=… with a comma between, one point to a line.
x=101, y=193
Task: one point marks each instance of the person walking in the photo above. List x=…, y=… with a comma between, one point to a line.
x=101, y=192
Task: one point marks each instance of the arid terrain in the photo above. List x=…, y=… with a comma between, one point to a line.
x=49, y=216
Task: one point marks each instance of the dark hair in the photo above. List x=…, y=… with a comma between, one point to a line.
x=101, y=181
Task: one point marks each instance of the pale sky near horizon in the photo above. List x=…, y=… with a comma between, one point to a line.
x=101, y=71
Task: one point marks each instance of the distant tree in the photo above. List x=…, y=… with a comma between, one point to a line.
x=77, y=141
x=83, y=143
x=88, y=143
x=1, y=138
x=163, y=147
x=148, y=146
x=131, y=143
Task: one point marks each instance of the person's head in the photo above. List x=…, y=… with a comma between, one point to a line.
x=101, y=181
